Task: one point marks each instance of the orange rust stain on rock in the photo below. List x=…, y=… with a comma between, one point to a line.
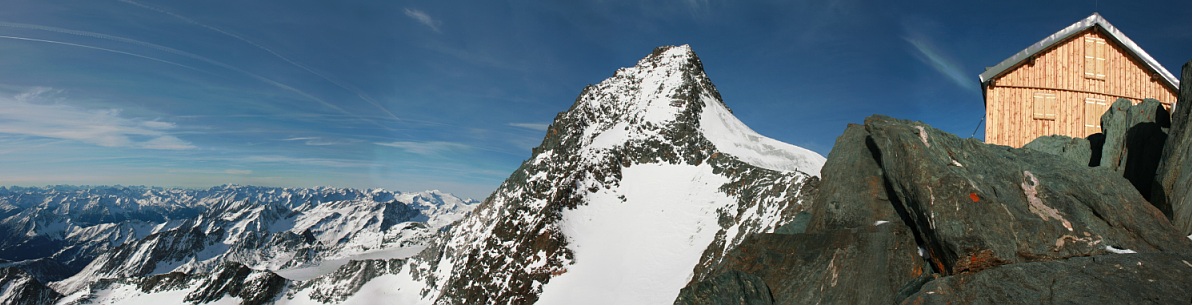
x=936, y=261
x=875, y=186
x=918, y=270
x=977, y=261
x=974, y=197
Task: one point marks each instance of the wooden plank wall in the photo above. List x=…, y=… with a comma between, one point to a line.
x=1061, y=71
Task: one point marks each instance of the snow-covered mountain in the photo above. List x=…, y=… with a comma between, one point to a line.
x=140, y=235
x=639, y=188
x=644, y=183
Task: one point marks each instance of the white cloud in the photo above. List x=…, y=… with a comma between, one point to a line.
x=529, y=125
x=930, y=54
x=423, y=18
x=20, y=116
x=36, y=93
x=239, y=171
x=158, y=125
x=427, y=147
x=319, y=141
x=323, y=162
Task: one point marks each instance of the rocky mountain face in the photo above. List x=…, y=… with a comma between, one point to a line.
x=905, y=213
x=645, y=182
x=20, y=288
x=138, y=241
x=1171, y=187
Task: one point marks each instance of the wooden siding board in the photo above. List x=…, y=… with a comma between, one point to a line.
x=1060, y=70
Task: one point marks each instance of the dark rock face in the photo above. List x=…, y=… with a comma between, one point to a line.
x=1076, y=150
x=729, y=288
x=852, y=190
x=862, y=265
x=1135, y=135
x=854, y=230
x=979, y=206
x=1161, y=278
x=19, y=288
x=992, y=225
x=237, y=280
x=1172, y=192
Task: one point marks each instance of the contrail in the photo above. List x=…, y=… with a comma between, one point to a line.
x=176, y=52
x=347, y=87
x=103, y=49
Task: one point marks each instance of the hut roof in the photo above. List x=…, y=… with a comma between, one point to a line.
x=1093, y=20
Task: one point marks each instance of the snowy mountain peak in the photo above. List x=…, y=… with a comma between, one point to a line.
x=647, y=164
x=666, y=98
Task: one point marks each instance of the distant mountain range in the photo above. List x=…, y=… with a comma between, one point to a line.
x=78, y=239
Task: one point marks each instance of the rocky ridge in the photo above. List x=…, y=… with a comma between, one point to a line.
x=906, y=213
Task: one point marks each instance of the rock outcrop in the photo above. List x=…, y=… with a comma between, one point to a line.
x=1172, y=192
x=1076, y=150
x=1134, y=136
x=979, y=205
x=861, y=265
x=908, y=213
x=853, y=191
x=1109, y=279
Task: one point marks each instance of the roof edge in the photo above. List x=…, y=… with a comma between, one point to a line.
x=1077, y=27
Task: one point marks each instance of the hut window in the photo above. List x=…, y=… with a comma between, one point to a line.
x=1096, y=57
x=1094, y=109
x=1044, y=106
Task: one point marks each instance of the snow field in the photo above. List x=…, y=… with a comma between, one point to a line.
x=639, y=251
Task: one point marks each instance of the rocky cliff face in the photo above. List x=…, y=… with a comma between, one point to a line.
x=958, y=221
x=20, y=288
x=1172, y=192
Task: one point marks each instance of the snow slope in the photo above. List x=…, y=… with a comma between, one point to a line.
x=731, y=136
x=639, y=249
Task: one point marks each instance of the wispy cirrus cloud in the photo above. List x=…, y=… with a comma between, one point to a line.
x=25, y=114
x=530, y=125
x=423, y=18
x=239, y=171
x=305, y=161
x=321, y=141
x=934, y=57
x=426, y=147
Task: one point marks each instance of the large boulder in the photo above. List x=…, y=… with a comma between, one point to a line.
x=852, y=191
x=978, y=206
x=1076, y=150
x=851, y=229
x=1161, y=278
x=1134, y=137
x=728, y=288
x=1172, y=192
x=863, y=265
x=901, y=204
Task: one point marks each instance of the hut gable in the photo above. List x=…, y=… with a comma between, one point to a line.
x=1062, y=84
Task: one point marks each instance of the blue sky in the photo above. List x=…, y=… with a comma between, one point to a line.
x=452, y=95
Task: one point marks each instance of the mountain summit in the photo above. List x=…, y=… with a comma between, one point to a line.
x=645, y=182
x=668, y=92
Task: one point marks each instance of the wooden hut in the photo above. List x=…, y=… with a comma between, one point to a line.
x=1063, y=84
